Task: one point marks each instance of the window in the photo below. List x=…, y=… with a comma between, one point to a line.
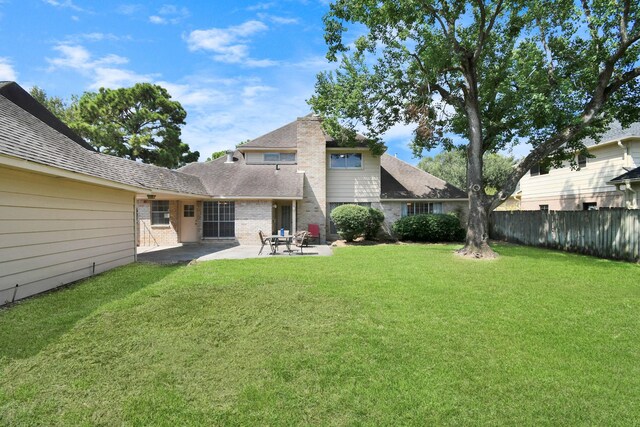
x=544, y=208
x=333, y=205
x=417, y=208
x=346, y=161
x=218, y=219
x=541, y=168
x=590, y=206
x=582, y=161
x=160, y=212
x=189, y=211
x=279, y=157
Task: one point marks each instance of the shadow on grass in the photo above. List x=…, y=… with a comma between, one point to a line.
x=30, y=325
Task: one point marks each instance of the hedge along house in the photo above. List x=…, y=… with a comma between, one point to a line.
x=66, y=211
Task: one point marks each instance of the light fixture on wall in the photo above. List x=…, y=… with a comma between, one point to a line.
x=275, y=206
x=277, y=167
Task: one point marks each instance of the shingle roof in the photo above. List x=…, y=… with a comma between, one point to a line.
x=27, y=137
x=400, y=180
x=286, y=137
x=238, y=179
x=615, y=131
x=632, y=175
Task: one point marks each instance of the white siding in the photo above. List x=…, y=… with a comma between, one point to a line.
x=52, y=230
x=566, y=189
x=355, y=185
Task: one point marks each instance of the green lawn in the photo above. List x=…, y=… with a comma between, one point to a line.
x=386, y=335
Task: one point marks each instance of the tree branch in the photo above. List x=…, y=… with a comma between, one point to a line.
x=444, y=93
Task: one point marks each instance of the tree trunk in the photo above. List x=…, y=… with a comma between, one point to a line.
x=476, y=245
x=478, y=222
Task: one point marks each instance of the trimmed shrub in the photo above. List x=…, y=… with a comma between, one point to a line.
x=429, y=228
x=374, y=223
x=350, y=220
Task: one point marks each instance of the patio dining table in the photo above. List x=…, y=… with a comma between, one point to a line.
x=278, y=239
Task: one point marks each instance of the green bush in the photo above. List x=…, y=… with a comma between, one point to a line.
x=350, y=220
x=374, y=223
x=429, y=228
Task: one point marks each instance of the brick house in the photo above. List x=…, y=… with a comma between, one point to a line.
x=290, y=178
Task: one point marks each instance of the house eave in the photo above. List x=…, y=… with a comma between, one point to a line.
x=417, y=199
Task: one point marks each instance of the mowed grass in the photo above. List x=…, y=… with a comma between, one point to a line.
x=386, y=335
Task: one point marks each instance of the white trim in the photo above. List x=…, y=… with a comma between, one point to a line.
x=268, y=149
x=28, y=165
x=232, y=198
x=424, y=200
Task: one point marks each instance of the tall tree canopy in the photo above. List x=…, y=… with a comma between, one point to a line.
x=138, y=123
x=452, y=167
x=496, y=72
x=54, y=104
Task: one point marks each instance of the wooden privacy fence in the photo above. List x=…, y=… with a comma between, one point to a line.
x=607, y=233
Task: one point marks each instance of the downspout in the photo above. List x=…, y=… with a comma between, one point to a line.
x=633, y=204
x=625, y=156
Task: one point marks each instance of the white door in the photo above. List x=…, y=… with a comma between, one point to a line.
x=188, y=227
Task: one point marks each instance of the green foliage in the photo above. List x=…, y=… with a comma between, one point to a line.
x=138, y=123
x=374, y=223
x=429, y=228
x=494, y=73
x=216, y=155
x=54, y=104
x=452, y=167
x=351, y=221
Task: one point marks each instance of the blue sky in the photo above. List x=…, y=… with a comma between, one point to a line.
x=239, y=68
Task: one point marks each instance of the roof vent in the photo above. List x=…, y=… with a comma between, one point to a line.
x=229, y=156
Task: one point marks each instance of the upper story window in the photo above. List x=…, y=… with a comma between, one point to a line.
x=541, y=168
x=346, y=161
x=279, y=157
x=160, y=212
x=582, y=161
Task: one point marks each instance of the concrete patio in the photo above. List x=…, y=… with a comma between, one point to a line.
x=183, y=253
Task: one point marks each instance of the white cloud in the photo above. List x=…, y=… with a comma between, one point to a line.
x=128, y=9
x=64, y=4
x=261, y=6
x=169, y=14
x=277, y=19
x=115, y=78
x=94, y=37
x=101, y=71
x=230, y=44
x=78, y=58
x=7, y=72
x=155, y=19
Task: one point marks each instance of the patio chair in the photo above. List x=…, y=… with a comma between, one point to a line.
x=267, y=240
x=299, y=240
x=313, y=233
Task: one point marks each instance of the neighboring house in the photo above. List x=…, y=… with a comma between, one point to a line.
x=609, y=179
x=67, y=211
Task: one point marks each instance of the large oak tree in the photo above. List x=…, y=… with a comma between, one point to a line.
x=496, y=72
